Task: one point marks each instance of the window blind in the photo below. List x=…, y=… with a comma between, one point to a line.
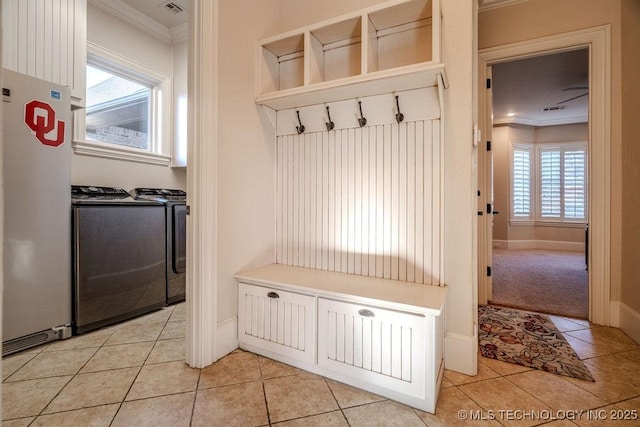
x=550, y=184
x=521, y=184
x=574, y=184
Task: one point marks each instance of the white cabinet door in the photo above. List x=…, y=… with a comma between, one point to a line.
x=277, y=321
x=47, y=40
x=373, y=345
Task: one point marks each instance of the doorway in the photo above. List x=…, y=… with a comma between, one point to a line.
x=599, y=174
x=540, y=132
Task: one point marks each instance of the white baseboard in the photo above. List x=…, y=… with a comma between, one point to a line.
x=630, y=322
x=551, y=245
x=227, y=337
x=461, y=353
x=503, y=244
x=614, y=314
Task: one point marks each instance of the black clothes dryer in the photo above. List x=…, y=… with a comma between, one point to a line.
x=118, y=256
x=175, y=202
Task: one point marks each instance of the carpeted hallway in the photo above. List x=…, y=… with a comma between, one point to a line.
x=553, y=282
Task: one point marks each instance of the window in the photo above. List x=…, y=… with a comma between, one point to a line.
x=117, y=109
x=127, y=110
x=563, y=183
x=550, y=186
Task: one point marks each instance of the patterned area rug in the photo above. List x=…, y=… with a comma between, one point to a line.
x=527, y=339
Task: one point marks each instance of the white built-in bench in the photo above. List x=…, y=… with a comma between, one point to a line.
x=381, y=335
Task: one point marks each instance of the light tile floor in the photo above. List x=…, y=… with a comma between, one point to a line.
x=134, y=374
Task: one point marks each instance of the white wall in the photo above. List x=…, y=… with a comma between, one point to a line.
x=180, y=61
x=117, y=36
x=562, y=133
x=245, y=182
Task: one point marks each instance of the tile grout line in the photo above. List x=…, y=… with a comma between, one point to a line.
x=264, y=391
x=561, y=377
x=336, y=400
x=78, y=372
x=195, y=395
x=21, y=366
x=139, y=368
x=473, y=400
x=71, y=379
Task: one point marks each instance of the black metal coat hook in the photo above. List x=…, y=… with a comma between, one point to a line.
x=361, y=120
x=330, y=125
x=399, y=115
x=300, y=128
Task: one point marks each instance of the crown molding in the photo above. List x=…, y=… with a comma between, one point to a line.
x=179, y=33
x=540, y=123
x=486, y=5
x=134, y=17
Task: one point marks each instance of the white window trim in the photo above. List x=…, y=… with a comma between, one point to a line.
x=161, y=133
x=535, y=219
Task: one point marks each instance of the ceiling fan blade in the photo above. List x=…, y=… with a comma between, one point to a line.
x=571, y=99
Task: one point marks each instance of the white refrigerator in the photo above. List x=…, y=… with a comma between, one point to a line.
x=36, y=168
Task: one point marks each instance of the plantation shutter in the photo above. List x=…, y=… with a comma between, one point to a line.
x=574, y=184
x=550, y=184
x=521, y=182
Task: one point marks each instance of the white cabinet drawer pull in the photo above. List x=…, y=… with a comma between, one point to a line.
x=366, y=313
x=273, y=295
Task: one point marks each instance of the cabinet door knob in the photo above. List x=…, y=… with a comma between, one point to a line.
x=366, y=313
x=273, y=295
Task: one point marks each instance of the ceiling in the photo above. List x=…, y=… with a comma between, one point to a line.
x=523, y=89
x=157, y=10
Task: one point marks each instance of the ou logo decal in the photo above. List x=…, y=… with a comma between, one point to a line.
x=40, y=117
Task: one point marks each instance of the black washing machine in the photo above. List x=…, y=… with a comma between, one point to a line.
x=175, y=202
x=118, y=256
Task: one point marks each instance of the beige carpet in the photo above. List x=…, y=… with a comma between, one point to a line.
x=552, y=282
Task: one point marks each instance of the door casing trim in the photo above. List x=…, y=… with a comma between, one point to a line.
x=598, y=40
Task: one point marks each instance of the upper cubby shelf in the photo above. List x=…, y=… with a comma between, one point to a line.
x=390, y=47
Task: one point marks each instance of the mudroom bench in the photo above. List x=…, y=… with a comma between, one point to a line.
x=380, y=335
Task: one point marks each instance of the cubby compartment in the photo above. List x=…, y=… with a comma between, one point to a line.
x=282, y=64
x=335, y=51
x=389, y=47
x=400, y=35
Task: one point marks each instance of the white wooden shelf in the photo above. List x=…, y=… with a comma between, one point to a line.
x=378, y=83
x=394, y=46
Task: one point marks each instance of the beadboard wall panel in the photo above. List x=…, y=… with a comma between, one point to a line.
x=363, y=201
x=46, y=40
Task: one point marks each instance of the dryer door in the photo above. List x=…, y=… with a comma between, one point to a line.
x=179, y=257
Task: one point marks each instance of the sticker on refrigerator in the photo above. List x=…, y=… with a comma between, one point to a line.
x=40, y=117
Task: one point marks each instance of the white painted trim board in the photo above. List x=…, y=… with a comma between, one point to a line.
x=629, y=321
x=539, y=244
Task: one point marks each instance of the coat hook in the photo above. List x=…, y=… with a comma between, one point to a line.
x=399, y=116
x=361, y=121
x=300, y=128
x=330, y=125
